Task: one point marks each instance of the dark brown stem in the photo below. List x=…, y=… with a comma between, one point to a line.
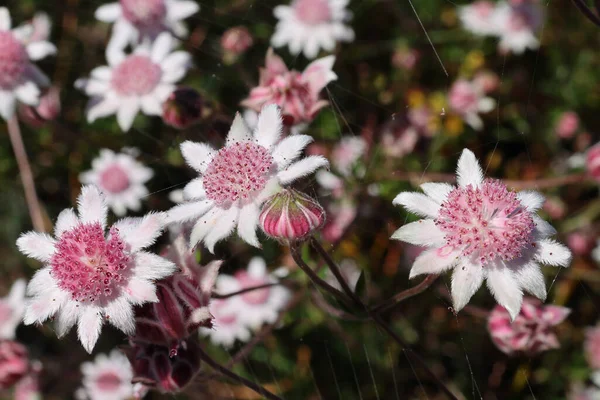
x=331, y=310
x=246, y=290
x=587, y=11
x=33, y=204
x=229, y=373
x=405, y=294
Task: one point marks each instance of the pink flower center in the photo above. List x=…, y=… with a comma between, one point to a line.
x=237, y=172
x=13, y=61
x=486, y=223
x=108, y=381
x=88, y=265
x=144, y=14
x=222, y=317
x=137, y=75
x=312, y=12
x=114, y=179
x=254, y=297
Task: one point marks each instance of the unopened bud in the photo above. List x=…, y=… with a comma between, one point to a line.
x=291, y=215
x=47, y=109
x=183, y=108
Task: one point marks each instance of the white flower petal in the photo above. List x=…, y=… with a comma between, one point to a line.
x=151, y=105
x=7, y=104
x=43, y=306
x=238, y=133
x=66, y=318
x=141, y=232
x=91, y=205
x=37, y=245
x=28, y=93
x=531, y=279
x=204, y=225
x=552, y=253
x=127, y=112
x=421, y=233
x=418, y=203
x=223, y=227
x=268, y=127
x=194, y=190
x=434, y=261
x=466, y=280
x=141, y=291
x=108, y=12
x=468, y=171
x=178, y=60
x=197, y=155
x=505, y=288
x=531, y=200
x=161, y=47
x=247, y=224
x=182, y=10
x=543, y=229
x=152, y=267
x=39, y=50
x=105, y=107
x=89, y=327
x=119, y=314
x=5, y=22
x=302, y=168
x=289, y=149
x=437, y=191
x=66, y=220
x=188, y=211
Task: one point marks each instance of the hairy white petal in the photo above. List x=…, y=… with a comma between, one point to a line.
x=531, y=279
x=239, y=132
x=141, y=291
x=37, y=245
x=66, y=220
x=268, y=128
x=531, y=200
x=552, y=253
x=223, y=228
x=188, y=211
x=468, y=171
x=89, y=327
x=434, y=261
x=141, y=232
x=152, y=267
x=197, y=155
x=247, y=224
x=91, y=205
x=466, y=280
x=119, y=314
x=418, y=203
x=421, y=233
x=437, y=191
x=505, y=288
x=302, y=168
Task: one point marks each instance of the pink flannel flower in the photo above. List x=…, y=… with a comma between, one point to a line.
x=14, y=363
x=310, y=25
x=482, y=231
x=236, y=41
x=236, y=180
x=479, y=18
x=136, y=20
x=90, y=277
x=12, y=308
x=47, y=109
x=106, y=378
x=592, y=161
x=298, y=94
x=592, y=346
x=567, y=125
x=468, y=100
x=20, y=79
x=340, y=215
x=518, y=23
x=581, y=242
x=184, y=299
x=531, y=331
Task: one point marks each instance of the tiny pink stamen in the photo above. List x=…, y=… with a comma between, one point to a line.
x=144, y=14
x=114, y=179
x=137, y=75
x=486, y=223
x=312, y=12
x=237, y=172
x=13, y=61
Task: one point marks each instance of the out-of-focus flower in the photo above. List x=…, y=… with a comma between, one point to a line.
x=347, y=152
x=47, y=109
x=291, y=215
x=107, y=378
x=468, y=100
x=555, y=207
x=480, y=18
x=405, y=58
x=531, y=331
x=518, y=24
x=398, y=139
x=567, y=125
x=121, y=178
x=596, y=252
x=20, y=79
x=28, y=388
x=38, y=29
x=228, y=325
x=143, y=80
x=236, y=41
x=581, y=242
x=591, y=346
x=340, y=216
x=183, y=108
x=14, y=363
x=136, y=20
x=592, y=161
x=484, y=232
x=184, y=299
x=155, y=366
x=12, y=308
x=423, y=119
x=236, y=180
x=579, y=392
x=310, y=25
x=298, y=94
x=350, y=272
x=488, y=81
x=89, y=276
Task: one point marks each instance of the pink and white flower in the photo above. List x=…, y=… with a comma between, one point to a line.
x=483, y=231
x=107, y=378
x=298, y=94
x=90, y=277
x=592, y=161
x=136, y=20
x=12, y=308
x=310, y=25
x=518, y=23
x=14, y=363
x=236, y=180
x=236, y=41
x=47, y=109
x=142, y=81
x=567, y=125
x=121, y=178
x=531, y=331
x=20, y=79
x=468, y=100
x=479, y=18
x=592, y=346
x=350, y=272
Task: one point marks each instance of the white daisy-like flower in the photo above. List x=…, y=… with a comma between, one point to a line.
x=482, y=230
x=518, y=25
x=310, y=25
x=237, y=179
x=121, y=178
x=142, y=81
x=90, y=276
x=12, y=308
x=136, y=20
x=107, y=378
x=20, y=79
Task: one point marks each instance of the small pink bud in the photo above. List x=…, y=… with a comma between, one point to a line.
x=183, y=108
x=581, y=242
x=554, y=207
x=14, y=363
x=591, y=346
x=47, y=110
x=236, y=40
x=567, y=125
x=592, y=161
x=405, y=58
x=291, y=215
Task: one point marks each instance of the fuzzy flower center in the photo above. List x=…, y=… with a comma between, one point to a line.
x=137, y=75
x=13, y=61
x=312, y=12
x=144, y=14
x=88, y=265
x=114, y=179
x=254, y=297
x=237, y=172
x=108, y=381
x=486, y=223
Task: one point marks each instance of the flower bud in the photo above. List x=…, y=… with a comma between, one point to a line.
x=47, y=109
x=183, y=108
x=592, y=161
x=155, y=368
x=14, y=363
x=291, y=215
x=235, y=41
x=567, y=125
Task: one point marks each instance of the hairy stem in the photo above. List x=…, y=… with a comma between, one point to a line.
x=245, y=290
x=405, y=294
